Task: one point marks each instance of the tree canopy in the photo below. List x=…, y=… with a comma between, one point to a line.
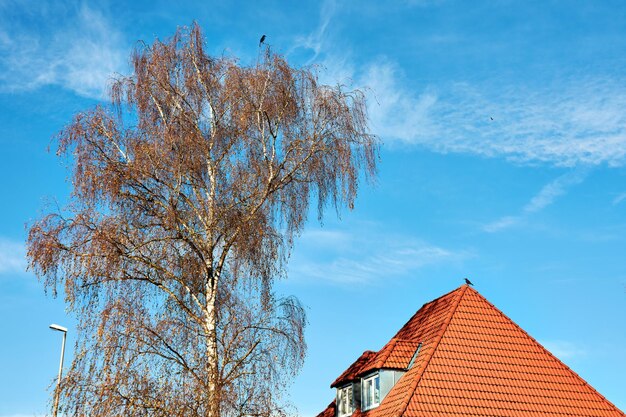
x=187, y=193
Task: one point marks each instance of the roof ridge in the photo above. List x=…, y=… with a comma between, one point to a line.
x=581, y=379
x=405, y=402
x=422, y=307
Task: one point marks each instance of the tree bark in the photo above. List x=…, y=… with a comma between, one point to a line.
x=213, y=406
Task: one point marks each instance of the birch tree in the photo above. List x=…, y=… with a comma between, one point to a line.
x=187, y=193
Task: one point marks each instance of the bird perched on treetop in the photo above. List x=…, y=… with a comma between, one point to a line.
x=468, y=282
x=262, y=40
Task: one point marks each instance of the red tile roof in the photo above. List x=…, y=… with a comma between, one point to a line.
x=355, y=369
x=329, y=411
x=394, y=355
x=474, y=361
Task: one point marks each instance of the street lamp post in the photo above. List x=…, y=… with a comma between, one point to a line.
x=62, y=329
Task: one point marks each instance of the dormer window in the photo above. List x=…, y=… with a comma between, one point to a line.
x=370, y=388
x=345, y=401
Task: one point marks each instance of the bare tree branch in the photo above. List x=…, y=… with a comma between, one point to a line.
x=188, y=191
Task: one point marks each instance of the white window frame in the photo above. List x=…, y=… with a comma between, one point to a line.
x=369, y=401
x=348, y=391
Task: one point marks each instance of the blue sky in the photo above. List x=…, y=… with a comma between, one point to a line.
x=504, y=159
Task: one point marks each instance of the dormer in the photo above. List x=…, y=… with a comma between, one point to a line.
x=365, y=384
x=376, y=385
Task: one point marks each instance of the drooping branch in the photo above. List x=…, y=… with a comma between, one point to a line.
x=187, y=194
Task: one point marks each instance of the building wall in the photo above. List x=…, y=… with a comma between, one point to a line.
x=388, y=379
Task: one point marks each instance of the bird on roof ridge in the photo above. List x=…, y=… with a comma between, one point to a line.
x=468, y=282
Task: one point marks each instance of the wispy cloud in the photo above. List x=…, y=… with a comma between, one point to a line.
x=502, y=223
x=564, y=350
x=339, y=258
x=567, y=125
x=316, y=40
x=571, y=124
x=394, y=112
x=553, y=190
x=334, y=238
x=571, y=121
x=545, y=197
x=619, y=198
x=12, y=257
x=73, y=46
x=576, y=124
x=336, y=63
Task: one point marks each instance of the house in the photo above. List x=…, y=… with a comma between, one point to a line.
x=461, y=356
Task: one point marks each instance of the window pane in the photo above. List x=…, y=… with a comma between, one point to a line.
x=349, y=406
x=339, y=402
x=363, y=396
x=344, y=401
x=377, y=390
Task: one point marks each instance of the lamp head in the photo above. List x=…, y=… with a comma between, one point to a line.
x=58, y=328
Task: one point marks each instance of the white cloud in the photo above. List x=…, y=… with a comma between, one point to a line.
x=373, y=266
x=563, y=350
x=315, y=40
x=502, y=223
x=336, y=66
x=365, y=257
x=574, y=123
x=619, y=198
x=553, y=190
x=323, y=237
x=12, y=257
x=571, y=121
x=581, y=122
x=75, y=47
x=544, y=198
x=395, y=114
